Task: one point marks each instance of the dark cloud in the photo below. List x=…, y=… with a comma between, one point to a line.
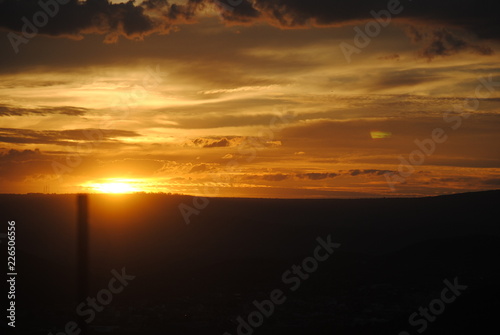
x=492, y=182
x=479, y=17
x=394, y=57
x=316, y=175
x=244, y=12
x=17, y=165
x=276, y=177
x=287, y=176
x=442, y=42
x=137, y=20
x=61, y=137
x=324, y=175
x=7, y=110
x=461, y=180
x=198, y=168
x=218, y=144
x=300, y=13
x=99, y=16
x=357, y=172
x=19, y=155
x=405, y=78
x=211, y=142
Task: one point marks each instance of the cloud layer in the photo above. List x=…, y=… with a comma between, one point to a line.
x=159, y=16
x=74, y=18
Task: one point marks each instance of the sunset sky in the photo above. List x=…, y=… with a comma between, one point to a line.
x=254, y=98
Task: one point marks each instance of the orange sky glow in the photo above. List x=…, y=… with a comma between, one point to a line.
x=244, y=104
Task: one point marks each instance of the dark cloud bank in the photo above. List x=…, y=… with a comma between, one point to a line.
x=136, y=20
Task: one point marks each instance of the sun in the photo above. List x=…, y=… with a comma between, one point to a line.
x=115, y=188
x=119, y=185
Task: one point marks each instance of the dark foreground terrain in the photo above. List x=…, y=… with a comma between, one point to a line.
x=436, y=257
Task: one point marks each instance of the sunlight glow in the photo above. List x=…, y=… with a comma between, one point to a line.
x=126, y=186
x=114, y=188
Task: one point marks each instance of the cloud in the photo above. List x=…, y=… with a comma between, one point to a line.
x=61, y=137
x=394, y=57
x=77, y=18
x=198, y=168
x=242, y=13
x=219, y=121
x=212, y=142
x=276, y=177
x=316, y=175
x=324, y=175
x=480, y=19
x=218, y=144
x=493, y=182
x=329, y=139
x=287, y=176
x=400, y=78
x=17, y=165
x=442, y=42
x=135, y=21
x=7, y=110
x=18, y=155
x=357, y=172
x=466, y=180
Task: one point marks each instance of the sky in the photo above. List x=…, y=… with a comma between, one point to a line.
x=250, y=98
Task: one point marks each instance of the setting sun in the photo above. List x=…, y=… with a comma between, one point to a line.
x=115, y=188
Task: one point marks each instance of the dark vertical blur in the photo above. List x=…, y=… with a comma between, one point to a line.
x=82, y=254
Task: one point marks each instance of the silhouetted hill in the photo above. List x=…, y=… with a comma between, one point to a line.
x=394, y=256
